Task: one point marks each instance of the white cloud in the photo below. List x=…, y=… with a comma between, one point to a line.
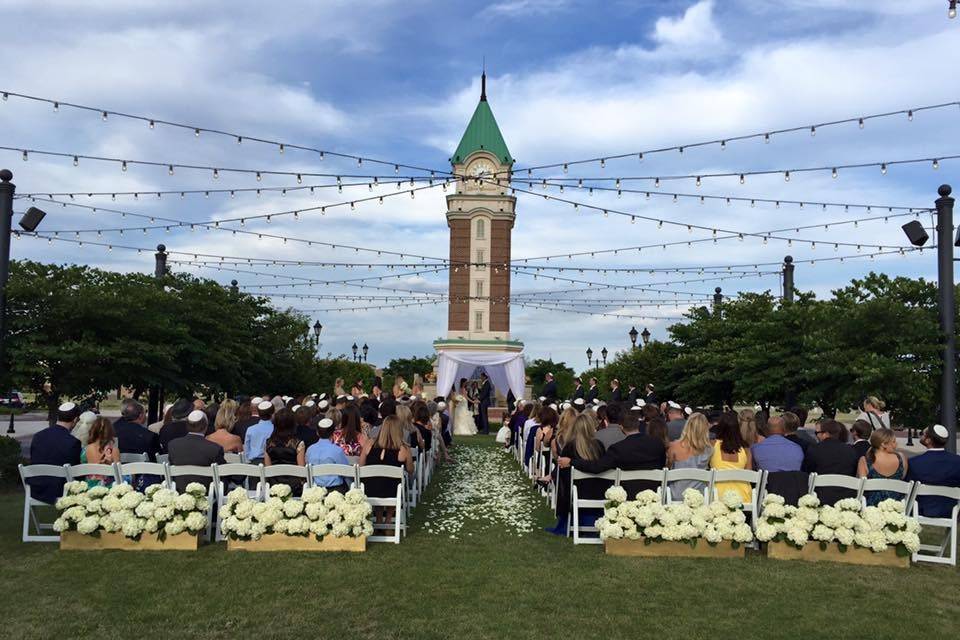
x=515, y=8
x=695, y=28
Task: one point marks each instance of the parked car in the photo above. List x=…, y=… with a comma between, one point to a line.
x=14, y=399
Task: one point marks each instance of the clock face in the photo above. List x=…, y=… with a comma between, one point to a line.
x=481, y=168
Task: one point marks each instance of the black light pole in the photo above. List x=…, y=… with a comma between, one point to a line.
x=948, y=377
x=633, y=336
x=589, y=357
x=355, y=347
x=645, y=336
x=7, y=190
x=317, y=328
x=365, y=349
x=154, y=402
x=234, y=289
x=717, y=299
x=788, y=267
x=603, y=352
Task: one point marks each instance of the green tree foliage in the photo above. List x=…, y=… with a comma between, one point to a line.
x=84, y=331
x=563, y=375
x=329, y=369
x=408, y=367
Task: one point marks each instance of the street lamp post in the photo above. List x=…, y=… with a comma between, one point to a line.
x=365, y=349
x=355, y=347
x=317, y=328
x=633, y=336
x=589, y=357
x=234, y=289
x=603, y=352
x=788, y=268
x=645, y=336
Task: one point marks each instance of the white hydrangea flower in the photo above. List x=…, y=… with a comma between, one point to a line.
x=163, y=513
x=281, y=490
x=732, y=499
x=133, y=527
x=648, y=497
x=77, y=487
x=809, y=501
x=98, y=492
x=333, y=499
x=340, y=530
x=88, y=525
x=175, y=526
x=692, y=498
x=822, y=533
x=711, y=535
x=848, y=504
x=743, y=533
x=196, y=489
x=185, y=502
x=797, y=535
x=355, y=496
x=61, y=524
x=292, y=508
x=772, y=498
x=314, y=494
x=616, y=494
x=766, y=532
x=195, y=521
x=844, y=535
x=151, y=525
x=891, y=505
x=911, y=541
x=774, y=510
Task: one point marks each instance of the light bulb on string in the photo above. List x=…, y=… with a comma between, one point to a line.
x=883, y=168
x=196, y=133
x=123, y=166
x=76, y=160
x=743, y=178
x=936, y=163
x=860, y=123
x=698, y=181
x=216, y=174
x=281, y=148
x=786, y=176
x=833, y=173
x=103, y=116
x=910, y=115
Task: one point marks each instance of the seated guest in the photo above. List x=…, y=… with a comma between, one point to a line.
x=421, y=422
x=195, y=449
x=132, y=433
x=650, y=412
x=675, y=420
x=635, y=452
x=177, y=427
x=388, y=449
x=794, y=433
x=657, y=428
x=776, y=452
x=748, y=427
x=284, y=447
x=101, y=449
x=611, y=433
x=82, y=430
x=547, y=419
x=302, y=415
x=873, y=413
x=246, y=417
x=528, y=432
x=516, y=423
x=831, y=456
x=692, y=451
x=580, y=443
x=54, y=445
x=731, y=452
x=323, y=451
x=936, y=467
x=882, y=461
x=255, y=442
x=165, y=418
x=436, y=427
x=370, y=420
x=223, y=428
x=861, y=430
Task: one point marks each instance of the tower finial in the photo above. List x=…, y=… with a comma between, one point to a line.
x=483, y=81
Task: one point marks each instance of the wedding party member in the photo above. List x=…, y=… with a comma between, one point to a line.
x=195, y=449
x=651, y=397
x=882, y=461
x=615, y=394
x=580, y=444
x=692, y=450
x=436, y=426
x=463, y=424
x=177, y=427
x=338, y=390
x=223, y=425
x=323, y=451
x=484, y=400
x=577, y=388
x=256, y=439
x=936, y=467
x=776, y=453
x=349, y=434
x=54, y=445
x=793, y=432
x=632, y=394
x=132, y=433
x=284, y=447
x=400, y=387
x=860, y=431
x=635, y=452
x=549, y=389
x=731, y=452
x=748, y=427
x=676, y=420
x=832, y=455
x=593, y=393
x=874, y=414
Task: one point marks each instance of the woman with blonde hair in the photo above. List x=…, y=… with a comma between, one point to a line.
x=691, y=451
x=873, y=412
x=564, y=430
x=223, y=428
x=882, y=461
x=748, y=427
x=388, y=449
x=580, y=444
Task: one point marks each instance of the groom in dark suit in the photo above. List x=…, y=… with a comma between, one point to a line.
x=485, y=398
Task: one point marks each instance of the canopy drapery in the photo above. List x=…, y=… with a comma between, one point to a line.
x=506, y=370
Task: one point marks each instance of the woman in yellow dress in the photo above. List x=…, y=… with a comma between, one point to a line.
x=731, y=452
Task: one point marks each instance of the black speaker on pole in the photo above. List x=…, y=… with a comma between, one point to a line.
x=916, y=233
x=31, y=219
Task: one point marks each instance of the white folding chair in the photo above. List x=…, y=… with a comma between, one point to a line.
x=163, y=458
x=143, y=468
x=284, y=470
x=233, y=458
x=577, y=503
x=29, y=502
x=945, y=553
x=346, y=471
x=177, y=470
x=658, y=476
x=133, y=457
x=221, y=472
x=836, y=480
x=81, y=471
x=904, y=488
x=353, y=459
x=704, y=476
x=413, y=488
x=396, y=502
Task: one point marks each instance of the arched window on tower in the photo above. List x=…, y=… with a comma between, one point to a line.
x=481, y=229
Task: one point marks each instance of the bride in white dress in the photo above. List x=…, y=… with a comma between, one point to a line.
x=463, y=424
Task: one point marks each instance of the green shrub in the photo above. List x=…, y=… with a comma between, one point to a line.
x=9, y=459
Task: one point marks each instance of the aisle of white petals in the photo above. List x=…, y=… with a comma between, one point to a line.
x=481, y=492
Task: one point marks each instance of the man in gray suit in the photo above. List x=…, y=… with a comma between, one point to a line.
x=195, y=449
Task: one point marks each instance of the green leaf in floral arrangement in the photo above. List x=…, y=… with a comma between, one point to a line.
x=734, y=544
x=902, y=551
x=712, y=544
x=692, y=542
x=647, y=541
x=843, y=548
x=823, y=546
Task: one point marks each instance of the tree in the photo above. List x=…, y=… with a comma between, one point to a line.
x=328, y=370
x=409, y=367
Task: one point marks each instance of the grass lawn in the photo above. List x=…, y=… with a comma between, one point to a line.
x=484, y=582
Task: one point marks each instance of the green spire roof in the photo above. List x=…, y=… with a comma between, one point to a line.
x=482, y=133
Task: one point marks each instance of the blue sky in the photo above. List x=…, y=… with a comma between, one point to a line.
x=568, y=79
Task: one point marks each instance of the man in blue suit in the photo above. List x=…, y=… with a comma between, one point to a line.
x=54, y=445
x=936, y=467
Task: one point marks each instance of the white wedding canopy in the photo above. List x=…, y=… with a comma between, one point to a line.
x=506, y=370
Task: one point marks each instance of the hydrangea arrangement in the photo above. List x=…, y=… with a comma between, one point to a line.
x=317, y=513
x=120, y=508
x=688, y=521
x=847, y=523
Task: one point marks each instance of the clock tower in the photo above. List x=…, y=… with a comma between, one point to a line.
x=480, y=214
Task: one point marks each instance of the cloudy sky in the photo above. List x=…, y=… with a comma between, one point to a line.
x=568, y=80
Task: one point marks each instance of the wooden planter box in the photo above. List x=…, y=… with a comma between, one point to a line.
x=811, y=552
x=281, y=542
x=76, y=541
x=703, y=549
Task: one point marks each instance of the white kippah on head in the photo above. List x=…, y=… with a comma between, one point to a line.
x=674, y=405
x=543, y=398
x=579, y=402
x=687, y=410
x=323, y=404
x=596, y=401
x=553, y=406
x=441, y=406
x=256, y=401
x=295, y=407
x=940, y=431
x=265, y=405
x=67, y=406
x=321, y=396
x=641, y=403
x=326, y=423
x=350, y=398
x=565, y=406
x=196, y=416
x=309, y=403
x=636, y=407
